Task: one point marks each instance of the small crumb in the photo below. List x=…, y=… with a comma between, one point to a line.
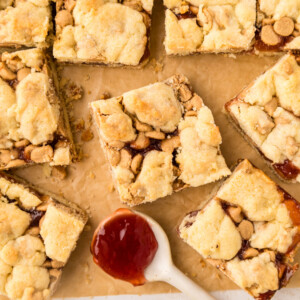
x=87, y=77
x=111, y=188
x=202, y=263
x=104, y=96
x=89, y=92
x=91, y=175
x=79, y=125
x=47, y=170
x=59, y=172
x=72, y=91
x=87, y=228
x=87, y=135
x=158, y=66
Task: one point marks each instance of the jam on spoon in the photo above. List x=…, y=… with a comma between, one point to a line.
x=124, y=245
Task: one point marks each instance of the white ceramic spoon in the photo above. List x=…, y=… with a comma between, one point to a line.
x=163, y=269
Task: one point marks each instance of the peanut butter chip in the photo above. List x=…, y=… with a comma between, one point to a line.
x=284, y=26
x=235, y=214
x=246, y=229
x=158, y=135
x=169, y=145
x=42, y=154
x=136, y=163
x=64, y=18
x=141, y=142
x=250, y=252
x=22, y=73
x=6, y=73
x=269, y=36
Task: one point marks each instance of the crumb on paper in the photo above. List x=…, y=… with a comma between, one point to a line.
x=88, y=277
x=59, y=172
x=91, y=175
x=111, y=188
x=231, y=55
x=105, y=95
x=46, y=170
x=78, y=125
x=71, y=91
x=87, y=228
x=158, y=66
x=87, y=135
x=87, y=77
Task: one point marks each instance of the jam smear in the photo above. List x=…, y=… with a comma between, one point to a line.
x=266, y=296
x=36, y=216
x=124, y=245
x=245, y=246
x=287, y=169
x=261, y=46
x=293, y=207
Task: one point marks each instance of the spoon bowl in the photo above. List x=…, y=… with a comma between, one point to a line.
x=162, y=267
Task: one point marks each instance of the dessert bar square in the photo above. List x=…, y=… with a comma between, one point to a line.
x=268, y=115
x=249, y=230
x=209, y=26
x=33, y=121
x=278, y=24
x=103, y=32
x=25, y=23
x=38, y=232
x=158, y=140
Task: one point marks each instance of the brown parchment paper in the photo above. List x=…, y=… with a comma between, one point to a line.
x=217, y=79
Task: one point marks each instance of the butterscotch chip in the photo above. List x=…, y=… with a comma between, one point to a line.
x=22, y=73
x=269, y=36
x=268, y=21
x=194, y=9
x=15, y=163
x=21, y=144
x=158, y=135
x=142, y=126
x=136, y=163
x=284, y=26
x=235, y=214
x=42, y=154
x=246, y=229
x=250, y=252
x=141, y=142
x=64, y=18
x=125, y=160
x=168, y=145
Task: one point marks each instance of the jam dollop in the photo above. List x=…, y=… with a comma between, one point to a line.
x=287, y=169
x=124, y=245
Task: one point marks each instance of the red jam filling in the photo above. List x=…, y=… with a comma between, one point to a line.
x=124, y=245
x=287, y=169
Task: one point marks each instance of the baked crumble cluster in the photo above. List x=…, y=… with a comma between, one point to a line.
x=37, y=235
x=33, y=122
x=108, y=32
x=25, y=23
x=268, y=115
x=209, y=26
x=278, y=24
x=159, y=139
x=249, y=230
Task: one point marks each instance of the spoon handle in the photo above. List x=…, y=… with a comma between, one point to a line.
x=176, y=278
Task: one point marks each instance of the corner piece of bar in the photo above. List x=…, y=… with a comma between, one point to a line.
x=249, y=230
x=209, y=26
x=25, y=23
x=159, y=139
x=38, y=232
x=34, y=125
x=278, y=27
x=114, y=33
x=267, y=113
